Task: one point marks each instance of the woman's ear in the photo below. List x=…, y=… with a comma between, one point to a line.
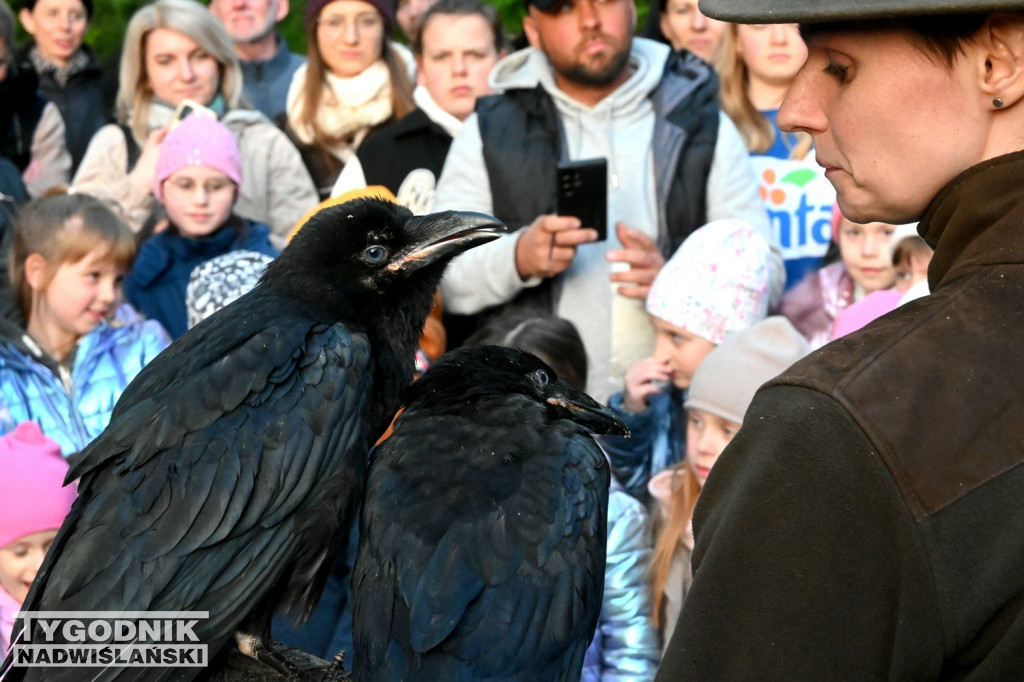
x=1000, y=42
x=28, y=21
x=36, y=271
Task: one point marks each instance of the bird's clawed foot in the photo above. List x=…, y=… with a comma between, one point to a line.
x=256, y=648
x=336, y=670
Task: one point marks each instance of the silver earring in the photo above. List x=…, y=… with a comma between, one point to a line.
x=997, y=102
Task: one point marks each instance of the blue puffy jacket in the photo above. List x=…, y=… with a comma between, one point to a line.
x=657, y=440
x=626, y=646
x=73, y=407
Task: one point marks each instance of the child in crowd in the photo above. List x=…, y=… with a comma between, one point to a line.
x=197, y=178
x=719, y=395
x=910, y=256
x=718, y=281
x=864, y=266
x=67, y=366
x=33, y=504
x=625, y=646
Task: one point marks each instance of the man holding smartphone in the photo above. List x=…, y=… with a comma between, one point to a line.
x=585, y=89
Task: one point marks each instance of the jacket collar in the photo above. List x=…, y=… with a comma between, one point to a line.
x=977, y=219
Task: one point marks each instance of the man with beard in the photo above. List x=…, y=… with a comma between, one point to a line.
x=267, y=63
x=586, y=88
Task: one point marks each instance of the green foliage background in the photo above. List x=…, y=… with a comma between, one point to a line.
x=110, y=17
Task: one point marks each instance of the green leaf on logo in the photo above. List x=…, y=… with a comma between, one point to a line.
x=799, y=177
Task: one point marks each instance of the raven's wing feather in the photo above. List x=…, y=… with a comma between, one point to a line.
x=268, y=420
x=508, y=576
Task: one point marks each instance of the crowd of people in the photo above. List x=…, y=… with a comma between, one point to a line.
x=136, y=203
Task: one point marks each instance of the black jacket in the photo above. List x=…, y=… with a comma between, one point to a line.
x=866, y=521
x=86, y=102
x=392, y=152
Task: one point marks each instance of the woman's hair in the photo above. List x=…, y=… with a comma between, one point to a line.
x=316, y=76
x=30, y=5
x=65, y=228
x=553, y=339
x=756, y=130
x=465, y=8
x=669, y=534
x=191, y=19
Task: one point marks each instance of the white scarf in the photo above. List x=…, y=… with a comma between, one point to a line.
x=434, y=112
x=349, y=107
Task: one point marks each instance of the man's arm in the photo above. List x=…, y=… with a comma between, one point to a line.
x=492, y=274
x=807, y=565
x=484, y=276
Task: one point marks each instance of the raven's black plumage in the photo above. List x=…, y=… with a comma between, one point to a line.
x=232, y=465
x=482, y=545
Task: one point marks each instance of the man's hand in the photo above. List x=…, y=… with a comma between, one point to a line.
x=548, y=245
x=643, y=257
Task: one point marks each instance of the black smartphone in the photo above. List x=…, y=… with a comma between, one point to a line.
x=583, y=193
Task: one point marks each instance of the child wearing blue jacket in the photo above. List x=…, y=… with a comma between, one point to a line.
x=717, y=281
x=78, y=348
x=197, y=178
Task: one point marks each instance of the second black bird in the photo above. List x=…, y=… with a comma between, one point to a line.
x=482, y=546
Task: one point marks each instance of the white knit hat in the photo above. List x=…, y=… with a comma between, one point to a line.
x=726, y=380
x=716, y=282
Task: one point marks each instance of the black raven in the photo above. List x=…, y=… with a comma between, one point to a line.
x=232, y=465
x=482, y=536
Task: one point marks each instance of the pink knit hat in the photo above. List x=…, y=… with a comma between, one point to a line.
x=718, y=281
x=32, y=496
x=197, y=141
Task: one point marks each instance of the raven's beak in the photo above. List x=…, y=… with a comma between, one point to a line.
x=445, y=235
x=584, y=410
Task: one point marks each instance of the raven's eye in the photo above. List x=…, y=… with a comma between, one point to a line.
x=375, y=254
x=542, y=377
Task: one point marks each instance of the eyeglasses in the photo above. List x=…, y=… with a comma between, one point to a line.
x=364, y=23
x=211, y=187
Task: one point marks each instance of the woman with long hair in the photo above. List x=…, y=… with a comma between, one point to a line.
x=353, y=83
x=756, y=64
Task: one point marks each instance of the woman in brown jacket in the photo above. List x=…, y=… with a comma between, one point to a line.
x=865, y=523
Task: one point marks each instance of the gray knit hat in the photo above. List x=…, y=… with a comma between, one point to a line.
x=818, y=11
x=725, y=382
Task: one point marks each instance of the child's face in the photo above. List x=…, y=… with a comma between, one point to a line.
x=78, y=296
x=683, y=350
x=865, y=252
x=706, y=436
x=198, y=199
x=20, y=560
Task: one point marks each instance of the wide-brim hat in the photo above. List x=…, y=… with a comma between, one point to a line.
x=820, y=11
